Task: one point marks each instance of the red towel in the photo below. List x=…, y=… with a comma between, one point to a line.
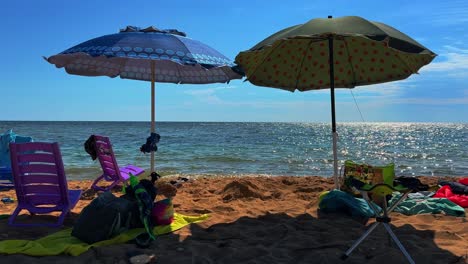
x=446, y=192
x=463, y=181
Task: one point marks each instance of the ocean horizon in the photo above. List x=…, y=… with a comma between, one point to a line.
x=269, y=148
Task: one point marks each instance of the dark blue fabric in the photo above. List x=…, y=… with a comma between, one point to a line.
x=152, y=45
x=151, y=143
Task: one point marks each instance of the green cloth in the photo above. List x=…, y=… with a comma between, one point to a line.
x=427, y=205
x=63, y=243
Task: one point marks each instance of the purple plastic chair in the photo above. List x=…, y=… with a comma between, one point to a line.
x=110, y=170
x=40, y=183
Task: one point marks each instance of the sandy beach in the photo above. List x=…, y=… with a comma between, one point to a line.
x=262, y=220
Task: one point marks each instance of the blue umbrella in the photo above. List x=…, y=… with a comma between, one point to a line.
x=148, y=54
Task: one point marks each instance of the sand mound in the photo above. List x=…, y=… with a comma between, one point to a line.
x=241, y=189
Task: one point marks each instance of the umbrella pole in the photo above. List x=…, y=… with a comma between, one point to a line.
x=153, y=114
x=332, y=94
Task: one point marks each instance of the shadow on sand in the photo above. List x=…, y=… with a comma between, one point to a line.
x=271, y=238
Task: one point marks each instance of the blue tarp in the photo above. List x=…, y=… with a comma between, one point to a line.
x=5, y=139
x=339, y=201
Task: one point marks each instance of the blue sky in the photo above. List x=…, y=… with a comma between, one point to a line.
x=32, y=89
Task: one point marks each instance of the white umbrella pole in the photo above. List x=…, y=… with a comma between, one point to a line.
x=153, y=111
x=332, y=93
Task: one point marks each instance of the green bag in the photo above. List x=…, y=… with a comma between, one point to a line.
x=367, y=174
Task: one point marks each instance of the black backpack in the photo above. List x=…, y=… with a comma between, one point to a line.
x=105, y=217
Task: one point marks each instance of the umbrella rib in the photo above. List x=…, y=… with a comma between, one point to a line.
x=405, y=63
x=266, y=56
x=350, y=62
x=302, y=63
x=178, y=66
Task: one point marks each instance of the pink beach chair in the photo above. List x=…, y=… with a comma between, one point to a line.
x=110, y=170
x=40, y=183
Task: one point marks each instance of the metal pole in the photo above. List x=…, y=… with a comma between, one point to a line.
x=332, y=93
x=153, y=114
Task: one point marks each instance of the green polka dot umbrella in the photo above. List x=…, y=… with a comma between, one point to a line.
x=333, y=53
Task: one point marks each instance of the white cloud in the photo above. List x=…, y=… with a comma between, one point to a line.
x=432, y=101
x=208, y=95
x=449, y=13
x=383, y=89
x=454, y=64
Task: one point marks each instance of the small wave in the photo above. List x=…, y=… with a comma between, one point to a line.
x=75, y=173
x=222, y=159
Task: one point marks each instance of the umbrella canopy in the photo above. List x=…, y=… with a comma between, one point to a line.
x=148, y=54
x=333, y=53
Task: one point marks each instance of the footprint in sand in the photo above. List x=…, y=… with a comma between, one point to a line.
x=223, y=209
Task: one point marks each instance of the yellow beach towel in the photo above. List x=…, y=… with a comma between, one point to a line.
x=63, y=243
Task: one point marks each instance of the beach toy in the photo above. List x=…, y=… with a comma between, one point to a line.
x=163, y=212
x=322, y=195
x=8, y=200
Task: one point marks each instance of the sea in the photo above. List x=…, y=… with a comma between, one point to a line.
x=238, y=148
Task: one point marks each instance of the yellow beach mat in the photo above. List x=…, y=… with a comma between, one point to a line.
x=63, y=243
